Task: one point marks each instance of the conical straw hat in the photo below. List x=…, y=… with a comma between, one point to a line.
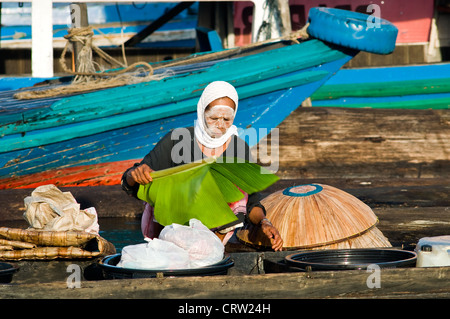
x=317, y=216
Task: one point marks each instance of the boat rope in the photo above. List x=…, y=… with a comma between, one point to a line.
x=87, y=79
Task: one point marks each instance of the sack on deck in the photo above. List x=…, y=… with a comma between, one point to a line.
x=203, y=246
x=48, y=208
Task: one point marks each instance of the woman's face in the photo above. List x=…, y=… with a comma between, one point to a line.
x=219, y=116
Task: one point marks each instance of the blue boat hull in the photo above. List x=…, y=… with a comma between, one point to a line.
x=258, y=114
x=416, y=87
x=90, y=138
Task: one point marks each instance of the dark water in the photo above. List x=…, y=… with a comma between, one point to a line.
x=121, y=231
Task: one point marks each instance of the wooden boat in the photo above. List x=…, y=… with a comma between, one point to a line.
x=406, y=87
x=91, y=138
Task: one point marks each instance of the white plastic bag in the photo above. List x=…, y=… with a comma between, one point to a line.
x=155, y=254
x=203, y=246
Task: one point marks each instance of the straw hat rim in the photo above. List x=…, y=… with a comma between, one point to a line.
x=240, y=237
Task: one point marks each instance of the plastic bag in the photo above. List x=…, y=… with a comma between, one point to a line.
x=203, y=246
x=155, y=254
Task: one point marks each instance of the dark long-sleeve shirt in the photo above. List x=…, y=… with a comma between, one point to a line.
x=180, y=147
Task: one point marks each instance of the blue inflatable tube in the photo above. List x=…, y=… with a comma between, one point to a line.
x=354, y=30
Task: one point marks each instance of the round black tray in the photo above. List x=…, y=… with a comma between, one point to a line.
x=6, y=272
x=111, y=271
x=346, y=259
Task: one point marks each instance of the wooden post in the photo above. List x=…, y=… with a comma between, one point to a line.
x=271, y=19
x=285, y=17
x=79, y=17
x=42, y=38
x=0, y=23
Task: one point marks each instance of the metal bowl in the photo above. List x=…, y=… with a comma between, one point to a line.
x=346, y=259
x=111, y=271
x=6, y=272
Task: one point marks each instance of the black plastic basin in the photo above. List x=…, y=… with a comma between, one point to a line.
x=6, y=272
x=111, y=271
x=345, y=259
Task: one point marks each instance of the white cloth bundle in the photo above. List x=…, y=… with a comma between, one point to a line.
x=50, y=209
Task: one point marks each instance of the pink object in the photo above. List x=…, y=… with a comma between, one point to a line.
x=148, y=223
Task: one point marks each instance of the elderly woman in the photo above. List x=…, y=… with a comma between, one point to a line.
x=213, y=135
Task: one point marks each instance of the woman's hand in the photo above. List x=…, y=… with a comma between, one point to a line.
x=257, y=217
x=272, y=233
x=140, y=174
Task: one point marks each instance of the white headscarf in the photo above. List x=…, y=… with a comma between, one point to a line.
x=214, y=91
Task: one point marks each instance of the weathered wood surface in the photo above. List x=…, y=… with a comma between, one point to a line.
x=395, y=161
x=408, y=209
x=372, y=152
x=109, y=201
x=364, y=143
x=395, y=283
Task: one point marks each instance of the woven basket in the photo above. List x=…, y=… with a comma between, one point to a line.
x=316, y=216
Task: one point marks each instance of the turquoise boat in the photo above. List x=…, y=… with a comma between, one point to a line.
x=91, y=138
x=399, y=87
